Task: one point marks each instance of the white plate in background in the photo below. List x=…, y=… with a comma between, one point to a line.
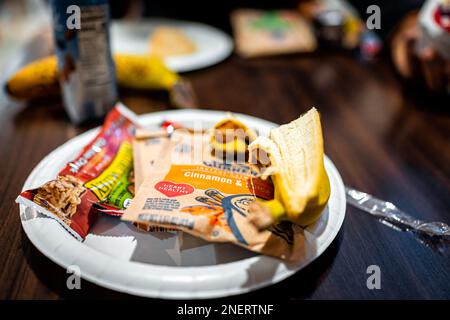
x=133, y=37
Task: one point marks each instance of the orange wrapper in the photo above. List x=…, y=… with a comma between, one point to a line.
x=189, y=189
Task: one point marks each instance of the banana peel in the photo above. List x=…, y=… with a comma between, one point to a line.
x=40, y=78
x=314, y=209
x=292, y=156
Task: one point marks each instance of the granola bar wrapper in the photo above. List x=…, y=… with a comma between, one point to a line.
x=99, y=179
x=190, y=189
x=147, y=147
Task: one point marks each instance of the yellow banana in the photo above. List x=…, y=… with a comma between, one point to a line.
x=142, y=72
x=40, y=78
x=293, y=157
x=35, y=80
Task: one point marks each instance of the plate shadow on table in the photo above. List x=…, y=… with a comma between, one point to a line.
x=299, y=286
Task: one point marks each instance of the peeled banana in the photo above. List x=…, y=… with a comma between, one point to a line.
x=292, y=156
x=40, y=78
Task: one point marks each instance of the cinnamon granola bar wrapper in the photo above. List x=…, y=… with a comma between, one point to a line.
x=190, y=189
x=147, y=146
x=99, y=179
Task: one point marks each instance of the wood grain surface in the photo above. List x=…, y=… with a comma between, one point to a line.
x=385, y=139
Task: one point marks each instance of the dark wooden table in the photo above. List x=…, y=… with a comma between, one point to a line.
x=384, y=138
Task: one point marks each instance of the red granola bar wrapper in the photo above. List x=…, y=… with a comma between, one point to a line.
x=100, y=178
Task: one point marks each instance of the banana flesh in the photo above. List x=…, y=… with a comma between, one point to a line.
x=292, y=156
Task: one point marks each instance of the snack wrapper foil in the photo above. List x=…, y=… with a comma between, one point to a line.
x=100, y=178
x=191, y=190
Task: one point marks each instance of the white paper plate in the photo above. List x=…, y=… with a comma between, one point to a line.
x=162, y=265
x=212, y=44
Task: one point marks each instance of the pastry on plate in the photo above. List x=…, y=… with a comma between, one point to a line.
x=170, y=41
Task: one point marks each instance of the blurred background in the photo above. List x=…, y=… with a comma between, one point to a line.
x=383, y=63
x=398, y=35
